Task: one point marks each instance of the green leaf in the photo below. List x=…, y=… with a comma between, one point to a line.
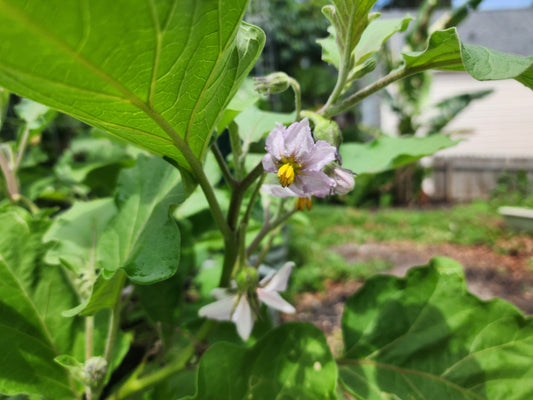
x=142, y=238
x=254, y=124
x=245, y=97
x=390, y=152
x=32, y=297
x=373, y=37
x=349, y=19
x=156, y=73
x=87, y=154
x=36, y=116
x=330, y=51
x=292, y=361
x=4, y=103
x=76, y=233
x=445, y=51
x=426, y=337
x=377, y=33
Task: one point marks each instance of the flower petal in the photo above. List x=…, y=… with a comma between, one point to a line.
x=279, y=191
x=274, y=300
x=322, y=154
x=298, y=140
x=313, y=183
x=269, y=163
x=243, y=318
x=219, y=310
x=221, y=293
x=278, y=281
x=275, y=142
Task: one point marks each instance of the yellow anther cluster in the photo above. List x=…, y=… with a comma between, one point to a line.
x=286, y=175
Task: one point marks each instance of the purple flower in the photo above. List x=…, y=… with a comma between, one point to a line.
x=298, y=161
x=344, y=180
x=235, y=307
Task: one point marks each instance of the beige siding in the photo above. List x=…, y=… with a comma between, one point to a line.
x=496, y=134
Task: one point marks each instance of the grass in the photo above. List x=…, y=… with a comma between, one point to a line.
x=313, y=238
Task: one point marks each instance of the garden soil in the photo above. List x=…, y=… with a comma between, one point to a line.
x=506, y=272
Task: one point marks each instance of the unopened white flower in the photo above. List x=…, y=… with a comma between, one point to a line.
x=344, y=180
x=235, y=307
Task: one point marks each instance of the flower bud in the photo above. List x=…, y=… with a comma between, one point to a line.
x=273, y=83
x=95, y=369
x=247, y=278
x=362, y=69
x=325, y=129
x=344, y=178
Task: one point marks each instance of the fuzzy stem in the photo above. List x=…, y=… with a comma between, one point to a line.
x=297, y=96
x=330, y=110
x=236, y=148
x=266, y=229
x=22, y=148
x=223, y=166
x=138, y=385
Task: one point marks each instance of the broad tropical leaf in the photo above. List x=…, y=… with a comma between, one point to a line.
x=32, y=297
x=142, y=238
x=426, y=337
x=156, y=73
x=292, y=361
x=446, y=51
x=390, y=152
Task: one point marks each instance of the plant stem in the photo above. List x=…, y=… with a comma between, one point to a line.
x=223, y=166
x=12, y=184
x=22, y=148
x=114, y=324
x=138, y=385
x=114, y=320
x=266, y=229
x=297, y=96
x=231, y=241
x=329, y=110
x=196, y=168
x=250, y=205
x=236, y=148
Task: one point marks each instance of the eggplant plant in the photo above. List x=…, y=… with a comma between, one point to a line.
x=162, y=290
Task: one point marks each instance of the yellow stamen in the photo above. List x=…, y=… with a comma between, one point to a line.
x=286, y=175
x=304, y=202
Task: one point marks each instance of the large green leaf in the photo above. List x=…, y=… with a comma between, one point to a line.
x=155, y=73
x=390, y=152
x=76, y=233
x=426, y=337
x=135, y=233
x=142, y=238
x=446, y=51
x=292, y=361
x=32, y=297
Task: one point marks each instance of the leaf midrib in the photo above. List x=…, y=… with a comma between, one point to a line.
x=146, y=107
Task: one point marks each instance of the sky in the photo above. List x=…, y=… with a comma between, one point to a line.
x=496, y=4
x=489, y=4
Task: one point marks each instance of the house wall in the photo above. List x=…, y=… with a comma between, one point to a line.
x=496, y=135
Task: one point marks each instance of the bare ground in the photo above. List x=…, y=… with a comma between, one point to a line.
x=489, y=274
